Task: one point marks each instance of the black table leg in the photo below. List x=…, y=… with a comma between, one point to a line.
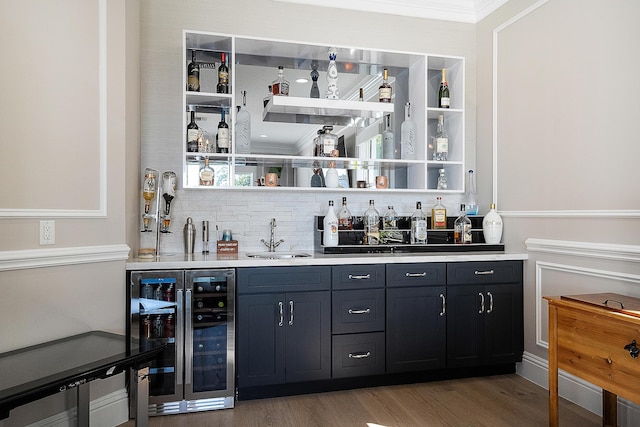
x=142, y=397
x=82, y=405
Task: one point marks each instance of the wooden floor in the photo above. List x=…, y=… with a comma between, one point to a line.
x=504, y=400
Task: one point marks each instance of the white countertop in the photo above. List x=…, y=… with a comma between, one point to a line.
x=212, y=260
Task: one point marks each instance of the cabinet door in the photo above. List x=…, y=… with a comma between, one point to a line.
x=503, y=323
x=261, y=339
x=308, y=336
x=416, y=328
x=465, y=325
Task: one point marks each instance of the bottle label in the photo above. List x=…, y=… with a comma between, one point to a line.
x=445, y=101
x=328, y=146
x=206, y=177
x=223, y=137
x=192, y=134
x=442, y=145
x=385, y=93
x=193, y=82
x=439, y=218
x=223, y=77
x=420, y=230
x=467, y=233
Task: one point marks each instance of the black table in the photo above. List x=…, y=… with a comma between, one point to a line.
x=34, y=372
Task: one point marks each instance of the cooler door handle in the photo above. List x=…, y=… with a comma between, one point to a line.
x=188, y=333
x=179, y=336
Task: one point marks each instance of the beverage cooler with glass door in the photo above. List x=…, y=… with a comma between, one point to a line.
x=193, y=311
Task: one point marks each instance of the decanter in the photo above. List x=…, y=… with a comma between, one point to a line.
x=332, y=75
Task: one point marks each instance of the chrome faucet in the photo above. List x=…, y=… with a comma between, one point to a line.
x=272, y=245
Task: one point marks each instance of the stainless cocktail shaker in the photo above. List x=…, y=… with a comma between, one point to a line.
x=189, y=236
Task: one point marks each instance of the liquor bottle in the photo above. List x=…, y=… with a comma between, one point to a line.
x=223, y=75
x=280, y=86
x=206, y=174
x=149, y=185
x=388, y=143
x=192, y=134
x=444, y=101
x=442, y=180
x=441, y=141
x=193, y=74
x=408, y=135
x=462, y=228
x=438, y=215
x=267, y=98
x=243, y=127
x=418, y=226
x=371, y=225
x=492, y=226
x=332, y=75
x=390, y=219
x=328, y=141
x=384, y=91
x=361, y=95
x=332, y=180
x=315, y=91
x=222, y=139
x=330, y=227
x=345, y=220
x=470, y=198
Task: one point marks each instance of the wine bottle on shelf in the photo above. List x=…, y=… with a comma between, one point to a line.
x=438, y=215
x=408, y=135
x=330, y=227
x=223, y=75
x=193, y=74
x=371, y=225
x=243, y=127
x=462, y=228
x=222, y=140
x=388, y=143
x=345, y=220
x=470, y=198
x=384, y=91
x=444, y=101
x=192, y=134
x=441, y=141
x=418, y=226
x=280, y=86
x=206, y=174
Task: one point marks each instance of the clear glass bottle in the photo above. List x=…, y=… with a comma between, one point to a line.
x=462, y=228
x=223, y=137
x=193, y=74
x=328, y=141
x=408, y=135
x=470, y=197
x=371, y=225
x=243, y=127
x=390, y=219
x=444, y=101
x=388, y=143
x=438, y=215
x=192, y=134
x=384, y=91
x=418, y=226
x=345, y=220
x=149, y=186
x=206, y=174
x=280, y=86
x=441, y=141
x=442, y=180
x=492, y=226
x=330, y=227
x=223, y=75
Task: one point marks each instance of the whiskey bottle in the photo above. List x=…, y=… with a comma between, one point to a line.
x=243, y=127
x=384, y=91
x=441, y=141
x=418, y=226
x=193, y=74
x=192, y=134
x=330, y=227
x=408, y=135
x=444, y=101
x=280, y=86
x=371, y=225
x=462, y=228
x=222, y=139
x=438, y=215
x=206, y=174
x=223, y=75
x=345, y=220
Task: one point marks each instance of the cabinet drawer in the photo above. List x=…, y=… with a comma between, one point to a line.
x=357, y=311
x=466, y=273
x=358, y=276
x=358, y=355
x=283, y=279
x=418, y=274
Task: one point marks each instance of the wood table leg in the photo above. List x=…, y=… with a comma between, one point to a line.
x=553, y=366
x=609, y=409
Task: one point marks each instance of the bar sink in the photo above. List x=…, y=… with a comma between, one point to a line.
x=278, y=255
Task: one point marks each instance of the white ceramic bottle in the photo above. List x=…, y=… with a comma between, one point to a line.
x=492, y=226
x=330, y=227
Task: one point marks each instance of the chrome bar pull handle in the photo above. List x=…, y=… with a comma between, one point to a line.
x=423, y=274
x=188, y=333
x=490, y=302
x=481, y=302
x=366, y=311
x=281, y=308
x=359, y=355
x=444, y=305
x=359, y=276
x=483, y=273
x=291, y=312
x=179, y=337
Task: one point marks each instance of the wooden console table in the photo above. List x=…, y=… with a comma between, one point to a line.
x=41, y=370
x=594, y=336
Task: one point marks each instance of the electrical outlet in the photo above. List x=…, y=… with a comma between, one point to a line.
x=47, y=232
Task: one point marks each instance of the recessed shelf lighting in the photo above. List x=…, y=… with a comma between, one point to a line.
x=302, y=80
x=262, y=135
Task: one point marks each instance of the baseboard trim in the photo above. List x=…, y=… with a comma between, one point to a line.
x=37, y=258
